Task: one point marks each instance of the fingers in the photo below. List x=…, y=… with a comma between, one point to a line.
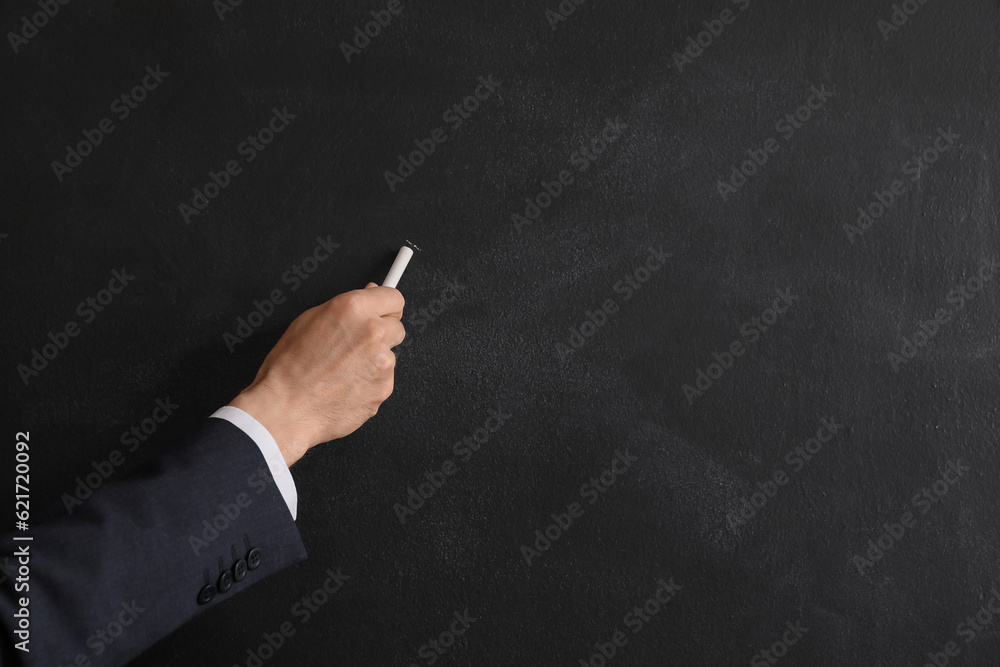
x=371, y=300
x=397, y=332
x=385, y=301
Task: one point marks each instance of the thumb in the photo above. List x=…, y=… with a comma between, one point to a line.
x=371, y=285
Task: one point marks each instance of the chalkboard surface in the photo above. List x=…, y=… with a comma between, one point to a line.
x=701, y=364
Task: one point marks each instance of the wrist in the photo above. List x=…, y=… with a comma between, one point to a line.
x=273, y=413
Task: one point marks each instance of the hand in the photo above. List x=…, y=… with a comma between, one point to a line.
x=329, y=372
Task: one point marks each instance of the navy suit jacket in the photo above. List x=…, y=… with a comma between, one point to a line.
x=190, y=529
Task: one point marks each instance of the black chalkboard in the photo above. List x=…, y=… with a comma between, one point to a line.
x=701, y=364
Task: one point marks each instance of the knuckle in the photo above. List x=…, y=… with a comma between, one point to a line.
x=383, y=363
x=388, y=361
x=351, y=301
x=372, y=331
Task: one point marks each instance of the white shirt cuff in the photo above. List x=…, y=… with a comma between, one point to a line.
x=269, y=448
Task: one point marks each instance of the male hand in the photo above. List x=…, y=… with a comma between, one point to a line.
x=329, y=372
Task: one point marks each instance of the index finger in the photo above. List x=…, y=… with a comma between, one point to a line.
x=385, y=301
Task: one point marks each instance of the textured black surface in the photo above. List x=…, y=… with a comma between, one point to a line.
x=518, y=289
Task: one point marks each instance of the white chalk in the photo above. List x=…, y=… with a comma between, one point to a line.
x=398, y=266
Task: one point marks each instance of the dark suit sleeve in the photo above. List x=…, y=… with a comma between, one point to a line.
x=134, y=558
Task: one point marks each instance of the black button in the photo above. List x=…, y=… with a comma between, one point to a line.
x=240, y=570
x=253, y=558
x=225, y=581
x=206, y=594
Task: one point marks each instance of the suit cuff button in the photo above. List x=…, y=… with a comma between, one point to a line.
x=225, y=581
x=206, y=594
x=254, y=558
